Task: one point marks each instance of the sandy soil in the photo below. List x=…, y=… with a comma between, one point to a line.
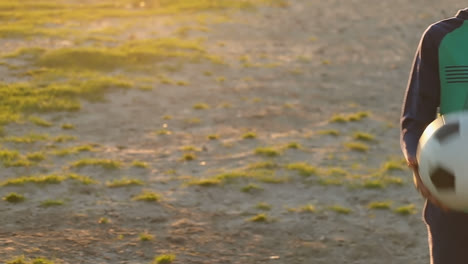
x=335, y=56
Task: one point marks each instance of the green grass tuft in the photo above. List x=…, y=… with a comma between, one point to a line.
x=207, y=182
x=14, y=198
x=36, y=156
x=293, y=145
x=380, y=205
x=201, y=106
x=188, y=157
x=39, y=121
x=406, y=209
x=251, y=188
x=330, y=132
x=50, y=203
x=357, y=146
x=303, y=168
x=123, y=183
x=309, y=208
x=338, y=118
x=146, y=237
x=164, y=259
x=259, y=218
x=340, y=209
x=104, y=220
x=267, y=151
x=249, y=135
x=263, y=206
x=67, y=126
x=140, y=164
x=374, y=184
x=213, y=137
x=363, y=136
x=148, y=196
x=393, y=165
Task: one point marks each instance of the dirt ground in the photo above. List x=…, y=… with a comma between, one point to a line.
x=331, y=57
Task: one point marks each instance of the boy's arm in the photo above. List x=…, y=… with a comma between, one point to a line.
x=420, y=106
x=422, y=95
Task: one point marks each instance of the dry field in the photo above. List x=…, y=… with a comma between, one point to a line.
x=206, y=131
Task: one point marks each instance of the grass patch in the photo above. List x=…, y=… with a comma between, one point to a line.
x=342, y=118
x=380, y=205
x=188, y=157
x=358, y=116
x=86, y=180
x=29, y=138
x=140, y=164
x=259, y=218
x=104, y=220
x=47, y=179
x=14, y=198
x=207, y=182
x=22, y=162
x=303, y=168
x=263, y=206
x=330, y=132
x=131, y=55
x=357, y=146
x=338, y=118
x=124, y=183
x=40, y=179
x=39, y=121
x=51, y=203
x=363, y=136
x=406, y=209
x=148, y=196
x=293, y=145
x=67, y=126
x=393, y=165
x=104, y=163
x=36, y=156
x=213, y=137
x=190, y=148
x=340, y=209
x=309, y=208
x=163, y=132
x=335, y=171
x=262, y=175
x=374, y=184
x=23, y=260
x=249, y=135
x=146, y=237
x=251, y=188
x=164, y=259
x=73, y=150
x=64, y=138
x=7, y=155
x=201, y=106
x=267, y=152
x=193, y=121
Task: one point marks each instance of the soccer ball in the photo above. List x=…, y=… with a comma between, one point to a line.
x=443, y=160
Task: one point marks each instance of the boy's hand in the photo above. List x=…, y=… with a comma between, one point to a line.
x=413, y=164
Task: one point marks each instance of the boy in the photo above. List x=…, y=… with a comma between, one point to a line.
x=438, y=80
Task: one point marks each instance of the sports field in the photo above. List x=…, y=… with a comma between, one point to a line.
x=208, y=131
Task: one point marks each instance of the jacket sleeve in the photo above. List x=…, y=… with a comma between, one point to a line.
x=422, y=97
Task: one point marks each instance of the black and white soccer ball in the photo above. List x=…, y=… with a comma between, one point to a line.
x=443, y=159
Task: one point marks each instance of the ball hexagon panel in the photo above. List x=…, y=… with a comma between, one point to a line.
x=442, y=179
